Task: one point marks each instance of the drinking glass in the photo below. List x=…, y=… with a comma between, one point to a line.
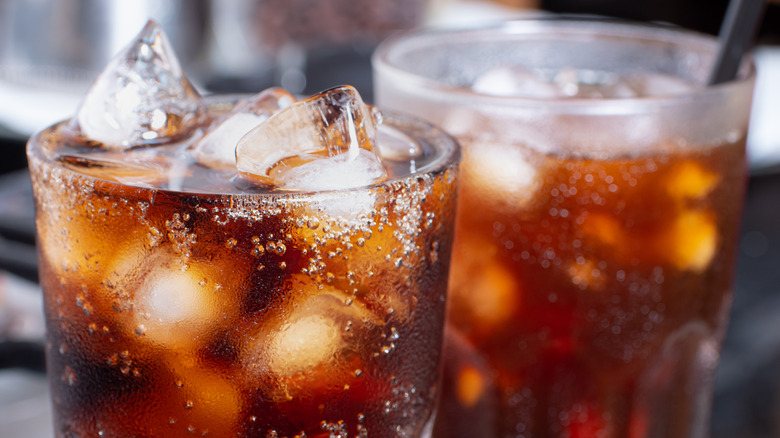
x=598, y=217
x=180, y=302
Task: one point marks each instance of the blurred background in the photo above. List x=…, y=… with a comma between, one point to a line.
x=51, y=50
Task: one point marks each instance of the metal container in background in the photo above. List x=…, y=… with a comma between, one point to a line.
x=51, y=50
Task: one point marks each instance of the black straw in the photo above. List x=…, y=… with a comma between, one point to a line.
x=736, y=33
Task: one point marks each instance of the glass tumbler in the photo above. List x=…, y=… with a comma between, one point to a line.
x=599, y=210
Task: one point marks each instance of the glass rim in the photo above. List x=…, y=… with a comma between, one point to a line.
x=448, y=155
x=567, y=26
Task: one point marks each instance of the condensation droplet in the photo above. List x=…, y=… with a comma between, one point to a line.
x=393, y=334
x=69, y=376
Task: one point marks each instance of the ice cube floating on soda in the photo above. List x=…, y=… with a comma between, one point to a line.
x=251, y=268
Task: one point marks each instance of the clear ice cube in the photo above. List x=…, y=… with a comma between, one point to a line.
x=142, y=97
x=325, y=142
x=218, y=147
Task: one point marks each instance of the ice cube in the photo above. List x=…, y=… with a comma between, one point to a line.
x=313, y=344
x=74, y=239
x=304, y=344
x=689, y=180
x=514, y=81
x=324, y=142
x=504, y=172
x=593, y=84
x=691, y=241
x=201, y=400
x=316, y=333
x=485, y=295
x=605, y=230
x=177, y=301
x=518, y=81
x=657, y=84
x=687, y=241
x=142, y=97
x=218, y=147
x=470, y=386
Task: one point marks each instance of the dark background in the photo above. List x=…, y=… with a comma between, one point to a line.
x=701, y=15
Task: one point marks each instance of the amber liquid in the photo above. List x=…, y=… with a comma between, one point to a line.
x=180, y=314
x=588, y=297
